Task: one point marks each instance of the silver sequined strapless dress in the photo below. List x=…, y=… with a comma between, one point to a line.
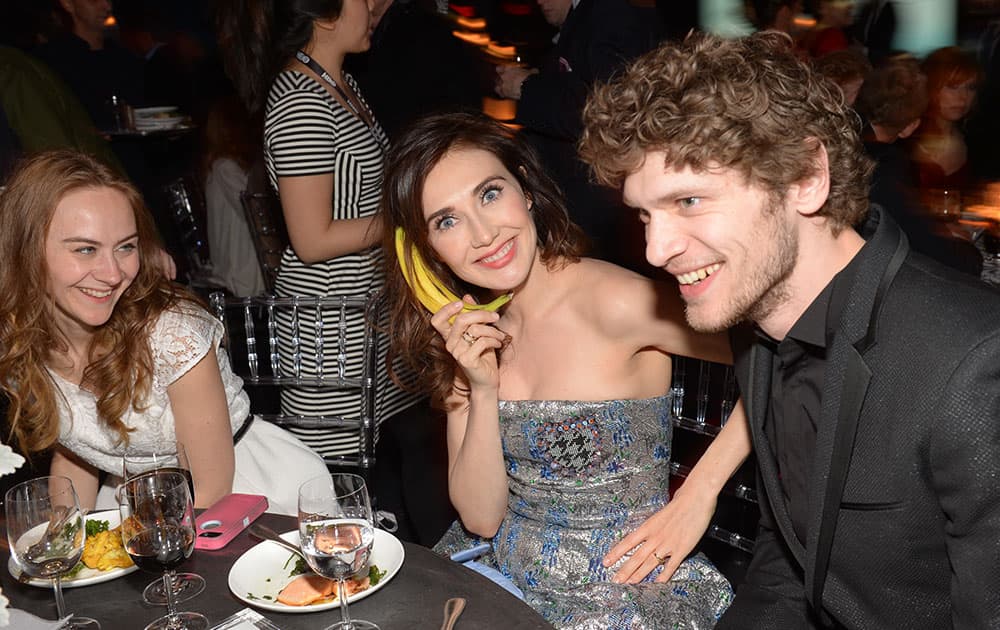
x=581, y=476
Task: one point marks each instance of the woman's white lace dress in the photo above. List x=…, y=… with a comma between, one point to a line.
x=269, y=460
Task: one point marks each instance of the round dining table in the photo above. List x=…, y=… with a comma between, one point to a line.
x=413, y=599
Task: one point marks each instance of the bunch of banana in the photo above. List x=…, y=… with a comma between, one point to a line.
x=428, y=288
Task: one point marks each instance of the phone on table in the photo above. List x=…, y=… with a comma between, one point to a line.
x=226, y=518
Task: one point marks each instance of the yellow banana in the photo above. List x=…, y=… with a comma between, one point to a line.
x=427, y=287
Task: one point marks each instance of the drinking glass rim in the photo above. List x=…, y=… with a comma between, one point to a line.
x=9, y=496
x=182, y=480
x=362, y=485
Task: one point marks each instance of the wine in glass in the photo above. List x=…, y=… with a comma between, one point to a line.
x=45, y=529
x=336, y=534
x=158, y=533
x=168, y=456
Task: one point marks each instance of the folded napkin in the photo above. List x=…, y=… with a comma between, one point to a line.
x=24, y=620
x=246, y=619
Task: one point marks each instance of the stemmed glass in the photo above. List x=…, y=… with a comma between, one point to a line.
x=169, y=456
x=158, y=532
x=336, y=533
x=45, y=529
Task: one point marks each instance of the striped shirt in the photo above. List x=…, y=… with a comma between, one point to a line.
x=308, y=132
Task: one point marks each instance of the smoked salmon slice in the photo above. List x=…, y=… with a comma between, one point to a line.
x=310, y=588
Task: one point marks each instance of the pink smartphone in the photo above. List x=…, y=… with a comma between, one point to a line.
x=229, y=516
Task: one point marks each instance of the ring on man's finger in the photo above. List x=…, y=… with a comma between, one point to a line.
x=661, y=560
x=469, y=339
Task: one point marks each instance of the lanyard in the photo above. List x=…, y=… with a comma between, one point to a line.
x=313, y=65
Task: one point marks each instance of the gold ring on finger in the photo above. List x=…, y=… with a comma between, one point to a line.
x=661, y=560
x=469, y=339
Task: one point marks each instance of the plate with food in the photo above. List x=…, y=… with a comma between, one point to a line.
x=169, y=111
x=269, y=576
x=104, y=557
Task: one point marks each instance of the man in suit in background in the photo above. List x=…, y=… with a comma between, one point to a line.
x=596, y=38
x=869, y=373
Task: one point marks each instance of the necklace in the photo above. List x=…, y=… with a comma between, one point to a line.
x=313, y=65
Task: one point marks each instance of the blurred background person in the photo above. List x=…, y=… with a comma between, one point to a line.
x=231, y=144
x=773, y=15
x=875, y=28
x=847, y=68
x=892, y=102
x=595, y=39
x=830, y=32
x=940, y=149
x=94, y=65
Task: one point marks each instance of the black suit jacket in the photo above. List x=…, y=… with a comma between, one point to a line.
x=904, y=529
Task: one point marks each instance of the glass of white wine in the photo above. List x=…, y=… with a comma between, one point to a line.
x=336, y=533
x=45, y=529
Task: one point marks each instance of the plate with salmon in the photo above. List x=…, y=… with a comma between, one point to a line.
x=270, y=577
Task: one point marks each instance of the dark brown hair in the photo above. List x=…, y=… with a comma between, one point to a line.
x=894, y=95
x=746, y=104
x=121, y=367
x=418, y=151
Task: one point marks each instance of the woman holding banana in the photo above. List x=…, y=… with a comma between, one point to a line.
x=559, y=431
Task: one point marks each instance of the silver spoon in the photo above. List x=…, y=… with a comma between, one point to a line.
x=266, y=533
x=452, y=609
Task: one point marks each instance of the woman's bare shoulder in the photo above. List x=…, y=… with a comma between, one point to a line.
x=614, y=295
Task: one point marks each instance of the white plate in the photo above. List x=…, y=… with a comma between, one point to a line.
x=261, y=572
x=144, y=112
x=158, y=123
x=86, y=576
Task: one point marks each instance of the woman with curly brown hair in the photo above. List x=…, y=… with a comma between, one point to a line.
x=99, y=352
x=559, y=424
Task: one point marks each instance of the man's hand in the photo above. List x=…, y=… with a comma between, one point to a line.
x=166, y=264
x=509, y=80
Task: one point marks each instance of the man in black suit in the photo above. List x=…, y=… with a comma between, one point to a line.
x=596, y=38
x=870, y=374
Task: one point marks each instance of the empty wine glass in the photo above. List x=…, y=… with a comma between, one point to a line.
x=336, y=534
x=46, y=535
x=158, y=532
x=168, y=456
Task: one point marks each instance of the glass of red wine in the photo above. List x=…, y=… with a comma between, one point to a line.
x=158, y=533
x=45, y=530
x=336, y=533
x=168, y=456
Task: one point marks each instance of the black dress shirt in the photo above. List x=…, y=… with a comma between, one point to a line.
x=796, y=399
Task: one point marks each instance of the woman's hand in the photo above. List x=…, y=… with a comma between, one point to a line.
x=473, y=340
x=671, y=533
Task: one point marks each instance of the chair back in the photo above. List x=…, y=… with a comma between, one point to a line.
x=704, y=395
x=255, y=349
x=266, y=222
x=184, y=200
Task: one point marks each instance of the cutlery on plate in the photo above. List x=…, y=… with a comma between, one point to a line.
x=266, y=533
x=452, y=609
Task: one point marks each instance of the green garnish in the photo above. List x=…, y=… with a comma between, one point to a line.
x=95, y=527
x=252, y=596
x=74, y=571
x=374, y=575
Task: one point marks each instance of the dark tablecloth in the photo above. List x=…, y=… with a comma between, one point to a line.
x=414, y=598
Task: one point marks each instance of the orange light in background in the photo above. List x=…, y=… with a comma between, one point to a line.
x=805, y=22
x=110, y=21
x=502, y=109
x=473, y=23
x=479, y=39
x=500, y=50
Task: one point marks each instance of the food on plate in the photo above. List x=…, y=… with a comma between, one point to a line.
x=313, y=589
x=103, y=549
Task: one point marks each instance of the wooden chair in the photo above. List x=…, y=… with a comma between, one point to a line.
x=266, y=222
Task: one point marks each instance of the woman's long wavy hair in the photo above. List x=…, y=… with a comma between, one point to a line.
x=120, y=370
x=425, y=143
x=257, y=39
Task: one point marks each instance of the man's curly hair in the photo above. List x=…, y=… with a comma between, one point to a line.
x=746, y=104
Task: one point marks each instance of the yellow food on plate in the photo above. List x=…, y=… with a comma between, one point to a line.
x=104, y=551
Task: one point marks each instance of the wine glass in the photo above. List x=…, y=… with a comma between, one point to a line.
x=158, y=532
x=46, y=535
x=168, y=456
x=336, y=533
